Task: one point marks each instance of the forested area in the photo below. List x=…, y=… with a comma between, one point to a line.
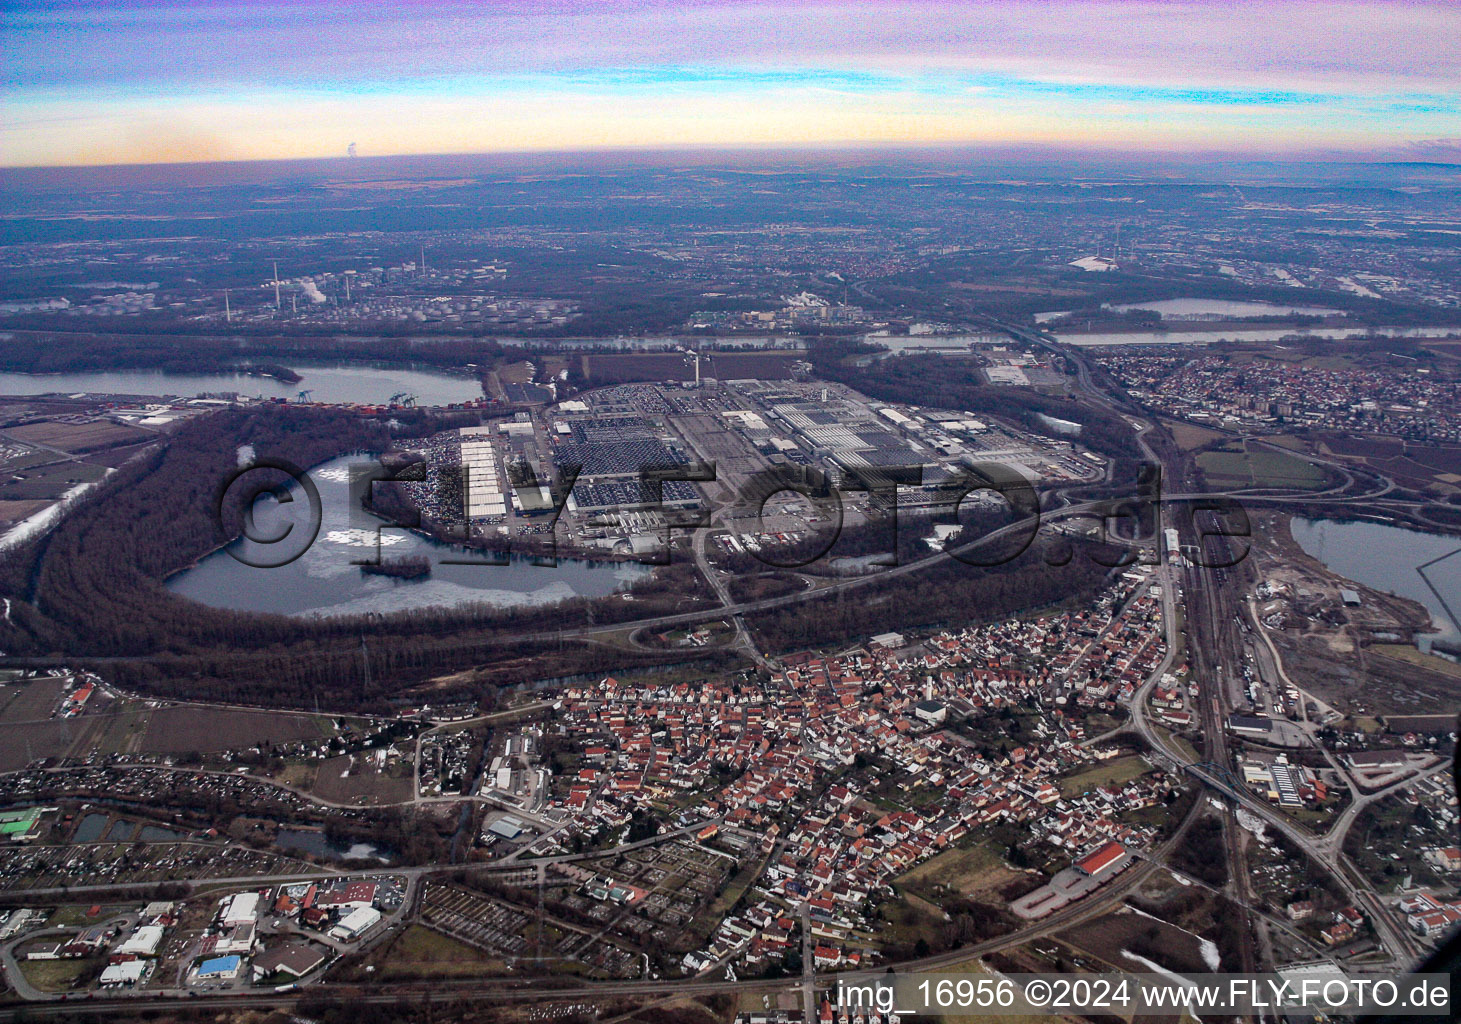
x=947, y=382
x=45, y=352
x=951, y=593
x=93, y=589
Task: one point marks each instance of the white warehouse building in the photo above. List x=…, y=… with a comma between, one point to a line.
x=356, y=923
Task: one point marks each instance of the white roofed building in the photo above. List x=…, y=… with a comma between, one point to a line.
x=143, y=942
x=356, y=923
x=240, y=908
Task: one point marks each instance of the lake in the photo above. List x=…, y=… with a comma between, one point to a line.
x=1182, y=309
x=323, y=581
x=313, y=842
x=157, y=834
x=1387, y=558
x=365, y=385
x=90, y=829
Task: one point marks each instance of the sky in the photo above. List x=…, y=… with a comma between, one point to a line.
x=158, y=81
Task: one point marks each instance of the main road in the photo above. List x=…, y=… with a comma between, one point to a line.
x=1212, y=589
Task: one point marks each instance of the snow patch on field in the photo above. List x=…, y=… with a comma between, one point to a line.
x=1206, y=947
x=1172, y=975
x=48, y=517
x=1253, y=824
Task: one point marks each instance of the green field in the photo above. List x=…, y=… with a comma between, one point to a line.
x=423, y=952
x=1407, y=653
x=77, y=915
x=61, y=975
x=1261, y=469
x=963, y=870
x=1108, y=773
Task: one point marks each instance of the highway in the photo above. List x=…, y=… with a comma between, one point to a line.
x=1213, y=604
x=727, y=608
x=1213, y=609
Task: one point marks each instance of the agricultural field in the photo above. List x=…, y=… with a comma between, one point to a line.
x=1190, y=436
x=515, y=373
x=1410, y=465
x=27, y=730
x=358, y=779
x=904, y=922
x=420, y=952
x=48, y=482
x=1108, y=773
x=180, y=728
x=976, y=966
x=1410, y=655
x=15, y=457
x=14, y=511
x=1112, y=934
x=115, y=729
x=30, y=700
x=21, y=743
x=1230, y=469
x=62, y=975
x=78, y=437
x=971, y=871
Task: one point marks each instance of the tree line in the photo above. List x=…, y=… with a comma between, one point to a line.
x=950, y=593
x=93, y=590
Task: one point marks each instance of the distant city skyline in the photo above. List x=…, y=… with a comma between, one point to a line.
x=106, y=82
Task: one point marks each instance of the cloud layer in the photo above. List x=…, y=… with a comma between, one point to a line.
x=92, y=82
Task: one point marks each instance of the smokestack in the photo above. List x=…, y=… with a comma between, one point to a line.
x=227, y=310
x=423, y=259
x=276, y=285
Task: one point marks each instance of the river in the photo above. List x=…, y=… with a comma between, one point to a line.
x=364, y=385
x=1390, y=559
x=323, y=581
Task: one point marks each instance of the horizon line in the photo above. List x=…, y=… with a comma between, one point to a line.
x=1002, y=150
